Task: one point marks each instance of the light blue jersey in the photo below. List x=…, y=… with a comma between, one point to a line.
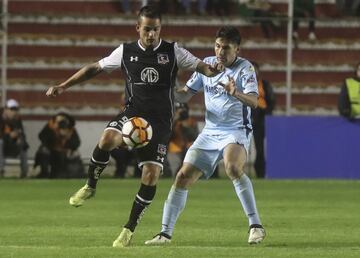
x=223, y=111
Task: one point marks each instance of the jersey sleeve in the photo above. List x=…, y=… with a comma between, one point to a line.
x=184, y=59
x=195, y=82
x=113, y=61
x=249, y=80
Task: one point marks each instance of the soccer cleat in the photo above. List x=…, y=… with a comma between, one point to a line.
x=159, y=239
x=256, y=235
x=78, y=198
x=124, y=238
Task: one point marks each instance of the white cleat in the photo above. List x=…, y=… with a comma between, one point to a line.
x=159, y=239
x=123, y=239
x=84, y=193
x=256, y=235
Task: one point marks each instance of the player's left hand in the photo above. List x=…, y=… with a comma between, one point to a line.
x=230, y=86
x=216, y=68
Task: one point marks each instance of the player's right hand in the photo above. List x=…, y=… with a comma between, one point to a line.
x=55, y=91
x=217, y=68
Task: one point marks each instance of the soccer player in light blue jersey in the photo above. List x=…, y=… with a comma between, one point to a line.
x=229, y=97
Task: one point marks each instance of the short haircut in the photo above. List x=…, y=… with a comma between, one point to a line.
x=230, y=33
x=149, y=11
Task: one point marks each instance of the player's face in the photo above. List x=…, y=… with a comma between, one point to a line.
x=226, y=51
x=358, y=71
x=149, y=31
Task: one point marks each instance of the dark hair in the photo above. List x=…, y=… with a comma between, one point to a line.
x=230, y=33
x=149, y=11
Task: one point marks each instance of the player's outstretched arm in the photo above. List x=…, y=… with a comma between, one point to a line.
x=248, y=99
x=84, y=74
x=183, y=95
x=210, y=70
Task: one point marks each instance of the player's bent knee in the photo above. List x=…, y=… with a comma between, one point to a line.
x=233, y=171
x=150, y=174
x=109, y=140
x=183, y=180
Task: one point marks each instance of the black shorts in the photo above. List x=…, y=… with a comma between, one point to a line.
x=155, y=151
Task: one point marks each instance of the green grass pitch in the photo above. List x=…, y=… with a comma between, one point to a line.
x=318, y=218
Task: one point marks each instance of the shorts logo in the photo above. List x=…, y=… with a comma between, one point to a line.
x=162, y=58
x=161, y=159
x=162, y=149
x=134, y=58
x=149, y=74
x=113, y=124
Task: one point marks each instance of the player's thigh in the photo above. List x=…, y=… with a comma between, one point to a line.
x=155, y=151
x=234, y=159
x=204, y=160
x=112, y=136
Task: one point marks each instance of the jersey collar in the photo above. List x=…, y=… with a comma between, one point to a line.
x=144, y=49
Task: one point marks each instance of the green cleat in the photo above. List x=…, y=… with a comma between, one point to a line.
x=78, y=198
x=123, y=239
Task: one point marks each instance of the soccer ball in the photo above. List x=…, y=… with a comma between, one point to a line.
x=137, y=132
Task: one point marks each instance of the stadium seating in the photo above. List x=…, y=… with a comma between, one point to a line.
x=50, y=40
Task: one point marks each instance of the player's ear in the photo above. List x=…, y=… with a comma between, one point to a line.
x=137, y=27
x=238, y=49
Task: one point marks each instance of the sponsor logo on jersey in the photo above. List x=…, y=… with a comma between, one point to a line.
x=149, y=74
x=162, y=149
x=251, y=79
x=163, y=58
x=213, y=90
x=134, y=58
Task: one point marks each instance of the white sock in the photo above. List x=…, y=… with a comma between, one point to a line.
x=173, y=206
x=245, y=192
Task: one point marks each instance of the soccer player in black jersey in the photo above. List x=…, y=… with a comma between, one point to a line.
x=150, y=65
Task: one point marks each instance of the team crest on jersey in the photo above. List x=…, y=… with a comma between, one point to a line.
x=163, y=58
x=150, y=75
x=161, y=149
x=251, y=79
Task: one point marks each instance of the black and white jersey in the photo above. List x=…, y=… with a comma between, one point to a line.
x=150, y=75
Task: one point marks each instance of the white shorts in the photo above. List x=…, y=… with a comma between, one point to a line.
x=207, y=150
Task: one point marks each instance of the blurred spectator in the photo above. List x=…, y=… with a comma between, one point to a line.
x=163, y=5
x=184, y=133
x=219, y=7
x=125, y=7
x=12, y=137
x=349, y=98
x=201, y=6
x=349, y=7
x=304, y=9
x=266, y=104
x=58, y=155
x=262, y=9
x=123, y=159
